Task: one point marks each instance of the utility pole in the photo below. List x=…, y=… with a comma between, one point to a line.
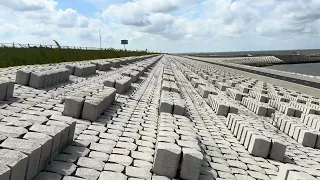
x=100, y=38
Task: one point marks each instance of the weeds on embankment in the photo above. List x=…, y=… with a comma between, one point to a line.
x=11, y=56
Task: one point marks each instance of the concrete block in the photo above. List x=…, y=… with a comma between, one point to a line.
x=30, y=148
x=4, y=172
x=70, y=68
x=64, y=129
x=277, y=150
x=284, y=170
x=16, y=161
x=307, y=138
x=166, y=159
x=62, y=168
x=178, y=108
x=10, y=89
x=90, y=109
x=294, y=175
x=73, y=107
x=54, y=132
x=3, y=90
x=23, y=77
x=46, y=147
x=48, y=176
x=36, y=80
x=259, y=146
x=166, y=106
x=191, y=163
x=222, y=110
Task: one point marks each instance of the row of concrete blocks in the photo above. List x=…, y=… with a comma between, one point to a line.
x=204, y=91
x=221, y=106
x=89, y=108
x=196, y=82
x=82, y=70
x=304, y=108
x=295, y=129
x=121, y=84
x=42, y=79
x=26, y=152
x=273, y=95
x=284, y=108
x=235, y=94
x=169, y=86
x=259, y=108
x=253, y=140
x=171, y=102
x=311, y=120
x=294, y=172
x=173, y=160
x=6, y=89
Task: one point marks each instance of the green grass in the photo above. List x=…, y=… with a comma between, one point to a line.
x=10, y=56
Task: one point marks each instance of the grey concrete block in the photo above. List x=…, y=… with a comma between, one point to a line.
x=307, y=138
x=4, y=172
x=11, y=131
x=36, y=80
x=73, y=107
x=167, y=159
x=48, y=176
x=16, y=161
x=277, y=150
x=62, y=168
x=31, y=148
x=10, y=89
x=259, y=146
x=191, y=163
x=46, y=147
x=3, y=90
x=23, y=77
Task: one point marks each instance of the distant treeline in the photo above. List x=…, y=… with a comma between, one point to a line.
x=11, y=56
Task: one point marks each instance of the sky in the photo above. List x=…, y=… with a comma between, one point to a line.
x=173, y=26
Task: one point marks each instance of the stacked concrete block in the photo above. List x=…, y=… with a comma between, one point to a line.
x=42, y=78
x=221, y=106
x=177, y=148
x=169, y=86
x=120, y=83
x=261, y=109
x=23, y=77
x=254, y=140
x=297, y=130
x=235, y=94
x=102, y=66
x=171, y=102
x=91, y=106
x=6, y=89
x=221, y=85
x=84, y=70
x=204, y=91
x=196, y=82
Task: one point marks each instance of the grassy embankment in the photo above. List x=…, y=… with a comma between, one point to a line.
x=10, y=56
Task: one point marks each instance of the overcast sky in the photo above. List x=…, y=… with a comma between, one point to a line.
x=166, y=25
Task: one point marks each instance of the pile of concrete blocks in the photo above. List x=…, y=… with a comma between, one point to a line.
x=221, y=106
x=294, y=172
x=89, y=107
x=243, y=88
x=102, y=66
x=120, y=83
x=285, y=108
x=169, y=86
x=221, y=85
x=231, y=83
x=171, y=102
x=204, y=91
x=311, y=120
x=177, y=151
x=82, y=70
x=275, y=96
x=294, y=128
x=253, y=140
x=41, y=79
x=6, y=89
x=32, y=143
x=235, y=94
x=134, y=75
x=259, y=108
